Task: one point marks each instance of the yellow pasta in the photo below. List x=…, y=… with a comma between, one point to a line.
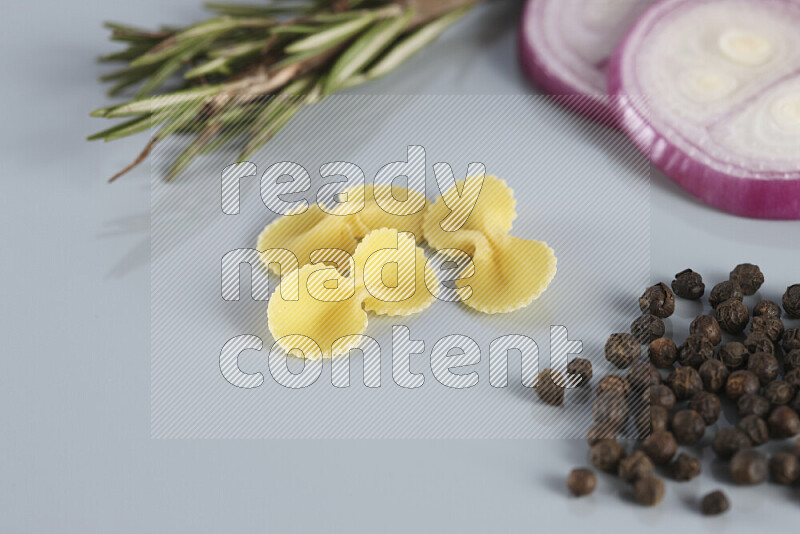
x=509, y=272
x=394, y=273
x=328, y=308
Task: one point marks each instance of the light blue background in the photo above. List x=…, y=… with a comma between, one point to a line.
x=75, y=452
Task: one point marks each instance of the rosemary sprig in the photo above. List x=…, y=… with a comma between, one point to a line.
x=247, y=71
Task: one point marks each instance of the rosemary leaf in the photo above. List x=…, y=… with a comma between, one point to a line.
x=163, y=101
x=332, y=36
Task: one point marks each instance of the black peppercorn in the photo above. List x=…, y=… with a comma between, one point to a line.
x=753, y=404
x=549, y=387
x=581, y=482
x=779, y=392
x=663, y=396
x=635, y=466
x=729, y=441
x=784, y=468
x=685, y=381
x=580, y=369
x=648, y=491
x=688, y=285
x=622, y=350
x=660, y=446
x=748, y=467
x=715, y=503
x=795, y=403
x=605, y=455
x=725, y=291
x=741, y=383
x=708, y=327
x=652, y=419
x=639, y=376
x=707, y=405
x=732, y=316
x=755, y=428
x=759, y=342
x=791, y=339
x=685, y=467
x=647, y=328
x=610, y=408
x=791, y=360
x=658, y=300
x=734, y=355
x=714, y=375
x=767, y=307
x=616, y=384
x=770, y=326
x=748, y=276
x=695, y=350
x=783, y=422
x=791, y=301
x=663, y=352
x=688, y=427
x=601, y=432
x=765, y=366
x=793, y=378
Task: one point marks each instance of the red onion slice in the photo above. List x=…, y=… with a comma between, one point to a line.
x=565, y=46
x=722, y=114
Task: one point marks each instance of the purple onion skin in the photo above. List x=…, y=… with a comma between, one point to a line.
x=759, y=199
x=596, y=107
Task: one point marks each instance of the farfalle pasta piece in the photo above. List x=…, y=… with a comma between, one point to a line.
x=314, y=229
x=328, y=309
x=394, y=273
x=510, y=272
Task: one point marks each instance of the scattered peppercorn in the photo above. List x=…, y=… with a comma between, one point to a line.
x=660, y=446
x=793, y=378
x=688, y=427
x=734, y=355
x=765, y=366
x=652, y=419
x=635, y=466
x=688, y=285
x=714, y=374
x=749, y=466
x=647, y=328
x=707, y=405
x=663, y=352
x=685, y=467
x=770, y=326
x=663, y=396
x=791, y=301
x=748, y=276
x=784, y=468
x=755, y=428
x=648, y=491
x=707, y=326
x=685, y=381
x=783, y=422
x=779, y=392
x=581, y=482
x=581, y=369
x=695, y=350
x=658, y=300
x=767, y=307
x=548, y=388
x=791, y=360
x=725, y=291
x=640, y=375
x=715, y=503
x=732, y=316
x=616, y=384
x=600, y=432
x=741, y=383
x=622, y=350
x=610, y=408
x=753, y=404
x=759, y=342
x=791, y=339
x=729, y=441
x=605, y=455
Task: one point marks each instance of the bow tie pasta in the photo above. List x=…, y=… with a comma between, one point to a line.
x=509, y=272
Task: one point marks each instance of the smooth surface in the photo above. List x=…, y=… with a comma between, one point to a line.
x=75, y=451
